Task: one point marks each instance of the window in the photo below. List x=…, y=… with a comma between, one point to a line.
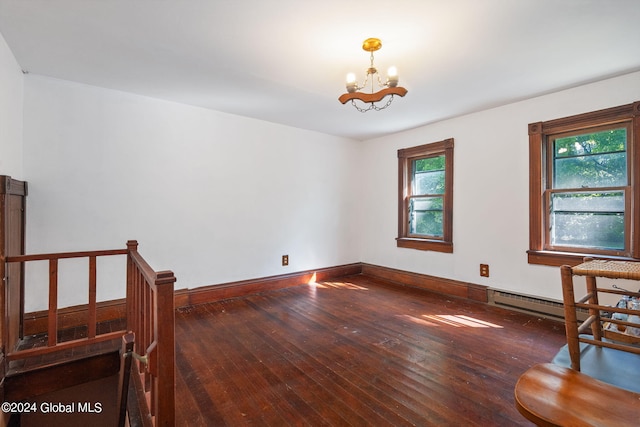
x=425, y=197
x=584, y=189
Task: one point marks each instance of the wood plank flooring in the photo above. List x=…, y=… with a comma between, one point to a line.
x=357, y=352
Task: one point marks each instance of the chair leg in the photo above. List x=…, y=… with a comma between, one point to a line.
x=596, y=325
x=570, y=318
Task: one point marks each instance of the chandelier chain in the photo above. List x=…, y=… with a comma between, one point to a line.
x=372, y=106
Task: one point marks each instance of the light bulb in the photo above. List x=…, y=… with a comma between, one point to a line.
x=352, y=86
x=392, y=77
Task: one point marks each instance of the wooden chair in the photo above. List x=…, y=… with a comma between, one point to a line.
x=598, y=347
x=594, y=379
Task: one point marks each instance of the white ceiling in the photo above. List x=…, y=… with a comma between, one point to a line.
x=285, y=61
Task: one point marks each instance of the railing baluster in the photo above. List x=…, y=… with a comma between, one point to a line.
x=92, y=320
x=146, y=318
x=53, y=302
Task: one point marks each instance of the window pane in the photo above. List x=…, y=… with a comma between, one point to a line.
x=603, y=202
x=429, y=164
x=428, y=175
x=601, y=170
x=589, y=220
x=425, y=216
x=609, y=141
x=427, y=203
x=591, y=160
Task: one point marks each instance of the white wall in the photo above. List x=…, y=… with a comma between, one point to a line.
x=11, y=79
x=218, y=198
x=491, y=193
x=212, y=196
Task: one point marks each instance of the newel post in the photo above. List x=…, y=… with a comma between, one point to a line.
x=132, y=246
x=165, y=334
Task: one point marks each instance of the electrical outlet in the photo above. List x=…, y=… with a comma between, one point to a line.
x=484, y=270
x=285, y=260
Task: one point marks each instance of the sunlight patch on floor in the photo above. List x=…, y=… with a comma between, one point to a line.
x=455, y=320
x=417, y=320
x=338, y=285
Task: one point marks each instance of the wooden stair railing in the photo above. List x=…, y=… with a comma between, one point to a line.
x=150, y=316
x=52, y=345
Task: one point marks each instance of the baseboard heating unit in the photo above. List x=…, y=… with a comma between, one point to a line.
x=529, y=304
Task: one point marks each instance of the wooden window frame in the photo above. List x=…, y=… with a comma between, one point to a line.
x=406, y=156
x=539, y=252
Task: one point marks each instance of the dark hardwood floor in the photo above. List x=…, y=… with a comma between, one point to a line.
x=355, y=352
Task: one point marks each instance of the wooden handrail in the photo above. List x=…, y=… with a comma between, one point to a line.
x=61, y=255
x=150, y=315
x=39, y=351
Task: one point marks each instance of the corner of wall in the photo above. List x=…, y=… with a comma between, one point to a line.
x=11, y=111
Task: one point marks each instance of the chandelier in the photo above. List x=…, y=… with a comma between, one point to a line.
x=390, y=87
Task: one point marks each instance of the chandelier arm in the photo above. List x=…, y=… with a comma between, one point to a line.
x=372, y=97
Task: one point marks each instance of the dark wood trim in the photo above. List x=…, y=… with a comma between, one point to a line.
x=402, y=184
x=558, y=259
x=72, y=317
x=63, y=255
x=12, y=242
x=425, y=149
x=12, y=186
x=36, y=322
x=405, y=158
x=69, y=317
x=425, y=244
x=535, y=186
x=242, y=288
x=635, y=180
x=440, y=285
x=600, y=117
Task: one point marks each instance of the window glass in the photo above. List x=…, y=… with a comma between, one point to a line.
x=426, y=216
x=428, y=175
x=591, y=160
x=588, y=220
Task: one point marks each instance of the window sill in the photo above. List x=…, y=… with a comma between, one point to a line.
x=557, y=259
x=424, y=245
